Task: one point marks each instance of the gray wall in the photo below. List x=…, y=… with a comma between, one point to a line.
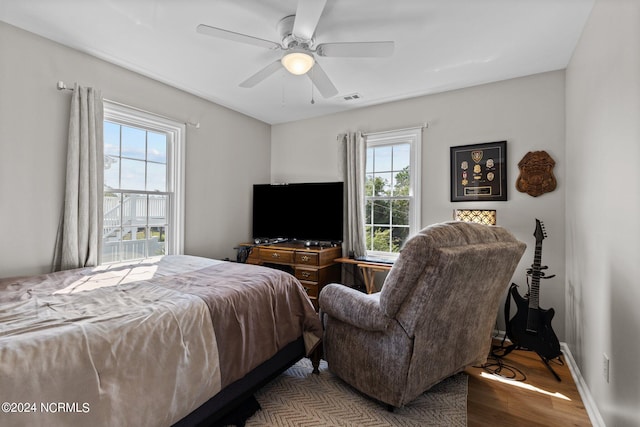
x=603, y=199
x=223, y=158
x=527, y=112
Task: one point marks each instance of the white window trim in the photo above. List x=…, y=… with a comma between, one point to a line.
x=414, y=138
x=175, y=155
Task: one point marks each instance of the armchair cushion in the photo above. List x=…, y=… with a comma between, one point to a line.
x=353, y=307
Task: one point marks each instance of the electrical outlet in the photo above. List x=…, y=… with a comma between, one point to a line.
x=605, y=366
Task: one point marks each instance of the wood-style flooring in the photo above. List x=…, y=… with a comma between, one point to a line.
x=539, y=400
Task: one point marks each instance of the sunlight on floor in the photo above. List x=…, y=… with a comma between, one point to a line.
x=523, y=385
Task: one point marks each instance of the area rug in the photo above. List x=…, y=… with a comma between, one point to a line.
x=299, y=398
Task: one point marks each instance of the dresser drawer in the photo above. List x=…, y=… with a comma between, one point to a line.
x=275, y=255
x=310, y=288
x=306, y=274
x=306, y=258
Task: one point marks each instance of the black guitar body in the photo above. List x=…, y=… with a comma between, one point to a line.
x=540, y=338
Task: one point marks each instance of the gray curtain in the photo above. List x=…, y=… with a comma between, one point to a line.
x=77, y=243
x=355, y=177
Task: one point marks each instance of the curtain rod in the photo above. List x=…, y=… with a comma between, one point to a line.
x=422, y=126
x=62, y=86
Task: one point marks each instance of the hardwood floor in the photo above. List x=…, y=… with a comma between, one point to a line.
x=539, y=400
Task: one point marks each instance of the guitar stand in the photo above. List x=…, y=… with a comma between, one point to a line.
x=546, y=362
x=544, y=359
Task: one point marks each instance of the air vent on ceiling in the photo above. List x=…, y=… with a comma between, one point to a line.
x=352, y=97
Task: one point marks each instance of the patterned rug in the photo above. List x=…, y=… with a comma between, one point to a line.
x=299, y=398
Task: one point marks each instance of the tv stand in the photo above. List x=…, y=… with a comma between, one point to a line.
x=313, y=266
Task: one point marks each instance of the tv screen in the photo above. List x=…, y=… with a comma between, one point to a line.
x=303, y=211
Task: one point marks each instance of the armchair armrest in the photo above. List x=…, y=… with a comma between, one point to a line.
x=353, y=307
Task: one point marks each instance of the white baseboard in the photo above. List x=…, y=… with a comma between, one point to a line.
x=581, y=385
x=585, y=394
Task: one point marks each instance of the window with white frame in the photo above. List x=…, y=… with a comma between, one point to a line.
x=143, y=185
x=392, y=193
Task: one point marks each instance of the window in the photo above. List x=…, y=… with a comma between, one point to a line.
x=143, y=191
x=392, y=194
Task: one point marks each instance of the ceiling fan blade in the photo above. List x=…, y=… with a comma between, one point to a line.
x=321, y=81
x=307, y=16
x=262, y=74
x=356, y=49
x=236, y=37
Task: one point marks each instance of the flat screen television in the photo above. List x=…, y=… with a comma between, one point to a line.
x=310, y=212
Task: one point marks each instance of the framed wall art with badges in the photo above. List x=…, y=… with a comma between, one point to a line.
x=479, y=172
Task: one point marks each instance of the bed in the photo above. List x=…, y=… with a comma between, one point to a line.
x=171, y=340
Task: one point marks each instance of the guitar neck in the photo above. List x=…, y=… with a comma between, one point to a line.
x=534, y=292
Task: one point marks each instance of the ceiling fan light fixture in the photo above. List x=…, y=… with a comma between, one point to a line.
x=297, y=62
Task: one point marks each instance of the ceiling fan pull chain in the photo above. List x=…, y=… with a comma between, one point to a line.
x=312, y=100
x=283, y=82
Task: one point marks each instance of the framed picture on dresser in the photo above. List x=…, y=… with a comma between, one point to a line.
x=479, y=172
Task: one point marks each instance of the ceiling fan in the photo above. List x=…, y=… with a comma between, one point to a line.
x=298, y=44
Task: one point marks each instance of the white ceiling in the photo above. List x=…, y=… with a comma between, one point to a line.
x=439, y=45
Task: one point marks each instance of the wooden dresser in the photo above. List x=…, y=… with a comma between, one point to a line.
x=313, y=266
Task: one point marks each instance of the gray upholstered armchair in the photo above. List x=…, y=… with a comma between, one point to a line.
x=433, y=317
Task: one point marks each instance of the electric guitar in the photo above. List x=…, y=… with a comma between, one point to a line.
x=530, y=328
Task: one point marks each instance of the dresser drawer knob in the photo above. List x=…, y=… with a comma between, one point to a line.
x=306, y=274
x=275, y=255
x=305, y=258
